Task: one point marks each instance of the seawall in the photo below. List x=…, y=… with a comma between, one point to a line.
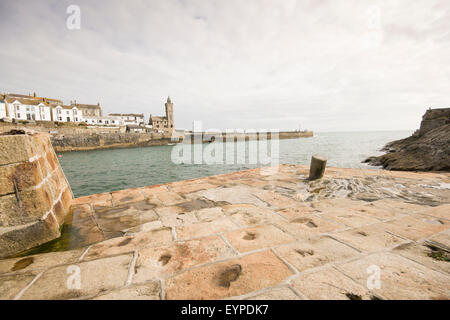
x=93, y=141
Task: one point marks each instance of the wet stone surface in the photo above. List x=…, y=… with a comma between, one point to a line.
x=249, y=235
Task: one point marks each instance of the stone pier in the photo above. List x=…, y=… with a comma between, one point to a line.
x=34, y=194
x=249, y=235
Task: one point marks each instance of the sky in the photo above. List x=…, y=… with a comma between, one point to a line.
x=349, y=65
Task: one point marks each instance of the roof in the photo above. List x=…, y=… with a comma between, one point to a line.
x=41, y=99
x=158, y=118
x=126, y=115
x=32, y=102
x=86, y=106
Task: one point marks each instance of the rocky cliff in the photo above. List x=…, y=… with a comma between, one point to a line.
x=426, y=150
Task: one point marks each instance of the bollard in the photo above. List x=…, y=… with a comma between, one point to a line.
x=317, y=168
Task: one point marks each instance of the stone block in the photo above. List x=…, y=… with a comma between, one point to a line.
x=95, y=276
x=191, y=187
x=369, y=238
x=425, y=255
x=311, y=253
x=227, y=279
x=66, y=198
x=303, y=228
x=330, y=284
x=126, y=244
x=28, y=206
x=164, y=261
x=100, y=199
x=203, y=229
x=11, y=285
x=249, y=214
x=23, y=237
x=15, y=149
x=400, y=278
x=19, y=177
x=416, y=227
x=126, y=196
x=39, y=262
x=250, y=239
x=147, y=291
x=279, y=293
x=348, y=217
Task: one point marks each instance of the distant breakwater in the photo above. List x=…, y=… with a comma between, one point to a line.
x=207, y=137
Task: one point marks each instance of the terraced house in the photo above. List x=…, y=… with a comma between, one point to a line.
x=31, y=107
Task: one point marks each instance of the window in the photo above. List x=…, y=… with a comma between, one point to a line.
x=59, y=111
x=18, y=115
x=60, y=118
x=76, y=119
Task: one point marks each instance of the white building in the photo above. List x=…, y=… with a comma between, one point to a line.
x=129, y=118
x=103, y=121
x=25, y=109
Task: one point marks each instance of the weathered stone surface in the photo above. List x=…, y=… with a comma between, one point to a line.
x=146, y=291
x=124, y=217
x=164, y=261
x=226, y=279
x=204, y=225
x=299, y=211
x=96, y=276
x=330, y=284
x=248, y=214
x=426, y=255
x=416, y=227
x=191, y=187
x=250, y=239
x=303, y=228
x=19, y=177
x=15, y=149
x=311, y=253
x=169, y=198
x=178, y=219
x=369, y=238
x=233, y=195
x=39, y=262
x=209, y=214
x=20, y=238
x=280, y=293
x=442, y=211
x=204, y=229
x=100, y=199
x=400, y=278
x=348, y=217
x=129, y=243
x=11, y=285
x=126, y=196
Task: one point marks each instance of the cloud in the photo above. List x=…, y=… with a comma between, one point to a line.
x=325, y=65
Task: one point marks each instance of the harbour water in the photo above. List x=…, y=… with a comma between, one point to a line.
x=99, y=171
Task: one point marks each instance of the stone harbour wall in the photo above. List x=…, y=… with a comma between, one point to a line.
x=82, y=142
x=34, y=193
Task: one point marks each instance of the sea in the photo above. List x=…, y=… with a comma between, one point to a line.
x=96, y=171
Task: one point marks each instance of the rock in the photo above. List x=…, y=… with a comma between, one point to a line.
x=426, y=150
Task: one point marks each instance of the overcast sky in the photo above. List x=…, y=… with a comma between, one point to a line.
x=325, y=65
